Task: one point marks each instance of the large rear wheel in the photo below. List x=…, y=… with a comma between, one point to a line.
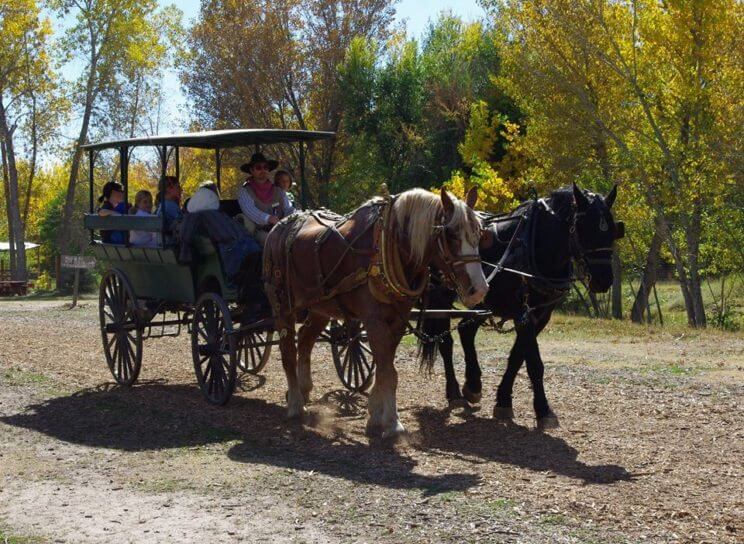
x=121, y=328
x=213, y=348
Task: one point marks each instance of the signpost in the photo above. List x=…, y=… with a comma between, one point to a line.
x=78, y=263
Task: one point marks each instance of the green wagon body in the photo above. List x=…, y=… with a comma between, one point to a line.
x=156, y=273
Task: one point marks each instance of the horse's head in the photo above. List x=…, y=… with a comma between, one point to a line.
x=456, y=254
x=592, y=237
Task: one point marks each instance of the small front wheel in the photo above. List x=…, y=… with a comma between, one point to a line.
x=254, y=350
x=352, y=355
x=213, y=348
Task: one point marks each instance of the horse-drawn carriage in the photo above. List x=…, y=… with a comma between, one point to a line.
x=352, y=281
x=149, y=292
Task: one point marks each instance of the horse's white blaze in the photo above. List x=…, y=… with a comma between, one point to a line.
x=475, y=272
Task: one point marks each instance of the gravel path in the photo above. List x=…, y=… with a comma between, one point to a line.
x=650, y=446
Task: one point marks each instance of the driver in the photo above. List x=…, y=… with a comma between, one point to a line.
x=262, y=203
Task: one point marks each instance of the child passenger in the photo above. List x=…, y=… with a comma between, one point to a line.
x=112, y=203
x=142, y=208
x=283, y=179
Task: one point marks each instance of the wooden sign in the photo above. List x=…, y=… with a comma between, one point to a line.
x=82, y=262
x=77, y=262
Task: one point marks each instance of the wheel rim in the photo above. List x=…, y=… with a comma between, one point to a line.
x=213, y=349
x=120, y=328
x=352, y=355
x=254, y=351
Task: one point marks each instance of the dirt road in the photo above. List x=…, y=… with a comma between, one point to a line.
x=650, y=447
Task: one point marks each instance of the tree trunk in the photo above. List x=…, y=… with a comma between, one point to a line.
x=13, y=204
x=648, y=278
x=679, y=266
x=11, y=250
x=693, y=254
x=64, y=239
x=32, y=165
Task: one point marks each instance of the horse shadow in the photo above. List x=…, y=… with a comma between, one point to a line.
x=505, y=442
x=158, y=416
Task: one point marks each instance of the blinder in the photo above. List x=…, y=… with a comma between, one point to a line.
x=619, y=230
x=450, y=260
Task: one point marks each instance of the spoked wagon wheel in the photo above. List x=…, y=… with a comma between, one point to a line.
x=120, y=327
x=254, y=350
x=213, y=348
x=352, y=355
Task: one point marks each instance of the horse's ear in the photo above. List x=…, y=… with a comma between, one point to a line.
x=610, y=198
x=580, y=198
x=449, y=206
x=472, y=197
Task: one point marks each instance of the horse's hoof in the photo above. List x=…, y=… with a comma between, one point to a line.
x=296, y=415
x=373, y=430
x=503, y=413
x=471, y=396
x=548, y=422
x=394, y=432
x=458, y=403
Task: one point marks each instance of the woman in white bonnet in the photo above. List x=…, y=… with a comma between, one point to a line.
x=206, y=197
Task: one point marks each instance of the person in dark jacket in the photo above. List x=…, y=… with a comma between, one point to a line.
x=112, y=203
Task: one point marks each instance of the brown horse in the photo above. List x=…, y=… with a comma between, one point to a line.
x=370, y=266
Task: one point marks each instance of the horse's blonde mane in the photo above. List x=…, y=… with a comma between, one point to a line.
x=417, y=210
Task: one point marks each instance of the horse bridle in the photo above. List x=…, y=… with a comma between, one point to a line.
x=451, y=261
x=583, y=257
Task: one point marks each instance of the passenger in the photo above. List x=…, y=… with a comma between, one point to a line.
x=112, y=203
x=142, y=208
x=207, y=197
x=171, y=205
x=261, y=202
x=283, y=179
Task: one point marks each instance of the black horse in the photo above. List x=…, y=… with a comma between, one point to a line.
x=529, y=255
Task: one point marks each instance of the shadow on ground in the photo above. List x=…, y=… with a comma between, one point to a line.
x=156, y=416
x=491, y=440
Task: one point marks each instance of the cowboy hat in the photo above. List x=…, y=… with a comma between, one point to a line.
x=257, y=158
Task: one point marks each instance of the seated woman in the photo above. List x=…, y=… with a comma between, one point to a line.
x=112, y=203
x=240, y=254
x=142, y=208
x=261, y=202
x=171, y=206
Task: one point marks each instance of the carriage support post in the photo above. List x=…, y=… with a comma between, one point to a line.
x=124, y=169
x=91, y=177
x=163, y=151
x=218, y=167
x=303, y=180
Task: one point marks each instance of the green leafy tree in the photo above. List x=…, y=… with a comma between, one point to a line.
x=640, y=92
x=120, y=43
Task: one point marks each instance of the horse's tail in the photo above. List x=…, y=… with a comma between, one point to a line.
x=434, y=331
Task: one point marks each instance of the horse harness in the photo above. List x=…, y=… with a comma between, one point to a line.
x=384, y=274
x=523, y=240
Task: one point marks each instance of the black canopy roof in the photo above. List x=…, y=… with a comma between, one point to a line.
x=215, y=139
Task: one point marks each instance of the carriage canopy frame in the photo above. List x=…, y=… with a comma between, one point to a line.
x=214, y=139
